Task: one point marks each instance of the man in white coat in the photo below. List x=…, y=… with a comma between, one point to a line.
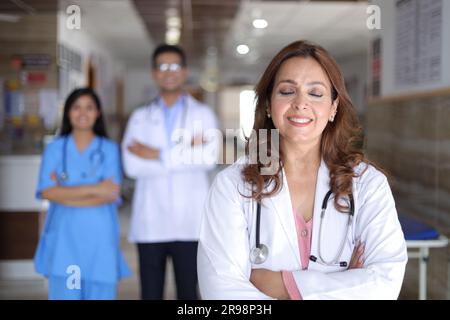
x=166, y=148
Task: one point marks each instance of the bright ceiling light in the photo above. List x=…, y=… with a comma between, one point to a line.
x=260, y=23
x=173, y=22
x=242, y=49
x=173, y=36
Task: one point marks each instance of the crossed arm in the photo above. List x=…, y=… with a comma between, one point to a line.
x=271, y=282
x=103, y=192
x=146, y=152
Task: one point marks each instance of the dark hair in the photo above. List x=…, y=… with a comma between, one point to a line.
x=99, y=125
x=339, y=148
x=163, y=48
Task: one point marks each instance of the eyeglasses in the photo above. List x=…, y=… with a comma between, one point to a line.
x=168, y=67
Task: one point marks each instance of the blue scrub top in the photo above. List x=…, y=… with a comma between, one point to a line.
x=87, y=237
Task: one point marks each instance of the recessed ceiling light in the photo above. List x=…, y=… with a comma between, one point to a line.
x=242, y=49
x=260, y=23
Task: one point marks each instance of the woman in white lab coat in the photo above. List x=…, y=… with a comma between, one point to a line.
x=307, y=246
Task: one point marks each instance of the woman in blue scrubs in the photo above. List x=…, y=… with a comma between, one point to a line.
x=80, y=175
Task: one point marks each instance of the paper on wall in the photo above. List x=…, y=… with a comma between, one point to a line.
x=48, y=107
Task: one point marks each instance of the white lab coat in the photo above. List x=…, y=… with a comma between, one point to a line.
x=169, y=192
x=228, y=234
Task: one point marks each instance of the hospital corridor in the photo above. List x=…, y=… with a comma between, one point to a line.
x=224, y=150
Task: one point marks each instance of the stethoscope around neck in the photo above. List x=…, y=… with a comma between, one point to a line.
x=185, y=105
x=156, y=102
x=64, y=176
x=260, y=252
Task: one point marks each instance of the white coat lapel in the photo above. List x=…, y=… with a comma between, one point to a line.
x=155, y=114
x=283, y=207
x=155, y=128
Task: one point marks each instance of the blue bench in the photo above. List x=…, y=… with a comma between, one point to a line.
x=420, y=237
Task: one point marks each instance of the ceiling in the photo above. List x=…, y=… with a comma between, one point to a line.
x=220, y=25
x=340, y=27
x=211, y=29
x=114, y=23
x=118, y=27
x=204, y=22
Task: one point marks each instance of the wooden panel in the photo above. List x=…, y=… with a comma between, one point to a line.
x=28, y=6
x=204, y=23
x=19, y=235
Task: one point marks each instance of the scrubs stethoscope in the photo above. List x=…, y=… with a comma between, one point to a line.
x=260, y=252
x=97, y=156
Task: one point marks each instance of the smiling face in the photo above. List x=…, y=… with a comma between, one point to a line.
x=169, y=73
x=301, y=102
x=83, y=113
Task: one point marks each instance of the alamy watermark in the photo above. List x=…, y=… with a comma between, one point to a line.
x=73, y=281
x=183, y=152
x=374, y=19
x=73, y=20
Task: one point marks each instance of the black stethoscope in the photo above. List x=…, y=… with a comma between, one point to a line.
x=96, y=154
x=260, y=252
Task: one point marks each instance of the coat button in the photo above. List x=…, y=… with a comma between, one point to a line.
x=304, y=233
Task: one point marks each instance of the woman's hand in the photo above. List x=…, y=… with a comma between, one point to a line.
x=357, y=260
x=54, y=177
x=107, y=189
x=270, y=283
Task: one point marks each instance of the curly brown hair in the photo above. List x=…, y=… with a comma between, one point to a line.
x=341, y=140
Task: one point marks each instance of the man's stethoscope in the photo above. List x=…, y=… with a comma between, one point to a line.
x=96, y=157
x=155, y=102
x=260, y=252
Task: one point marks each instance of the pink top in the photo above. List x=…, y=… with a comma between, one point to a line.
x=304, y=230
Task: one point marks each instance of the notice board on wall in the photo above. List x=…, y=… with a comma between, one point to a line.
x=418, y=36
